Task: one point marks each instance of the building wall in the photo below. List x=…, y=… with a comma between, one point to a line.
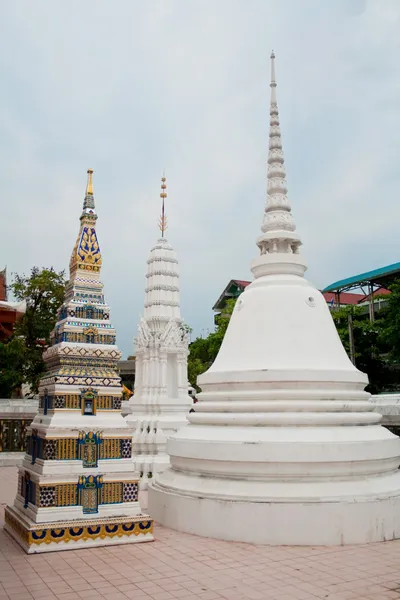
x=3, y=285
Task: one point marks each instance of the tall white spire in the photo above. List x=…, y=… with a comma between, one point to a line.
x=273, y=79
x=278, y=227
x=162, y=291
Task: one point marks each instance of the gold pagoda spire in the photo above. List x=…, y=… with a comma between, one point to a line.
x=89, y=187
x=163, y=225
x=88, y=203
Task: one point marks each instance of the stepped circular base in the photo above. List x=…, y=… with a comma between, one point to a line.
x=348, y=517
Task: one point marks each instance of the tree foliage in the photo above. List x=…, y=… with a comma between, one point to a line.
x=12, y=361
x=391, y=333
x=369, y=343
x=21, y=356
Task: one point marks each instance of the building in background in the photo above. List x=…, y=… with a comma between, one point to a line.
x=10, y=312
x=372, y=284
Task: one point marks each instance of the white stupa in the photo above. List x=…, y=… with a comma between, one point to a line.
x=161, y=400
x=283, y=447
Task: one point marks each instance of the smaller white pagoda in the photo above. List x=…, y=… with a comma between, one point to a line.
x=161, y=400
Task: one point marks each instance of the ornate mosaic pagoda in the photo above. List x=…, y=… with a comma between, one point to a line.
x=76, y=487
x=161, y=400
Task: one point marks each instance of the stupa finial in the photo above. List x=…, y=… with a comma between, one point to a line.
x=89, y=187
x=163, y=219
x=88, y=204
x=279, y=230
x=277, y=211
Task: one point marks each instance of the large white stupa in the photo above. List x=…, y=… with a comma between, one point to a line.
x=283, y=447
x=161, y=400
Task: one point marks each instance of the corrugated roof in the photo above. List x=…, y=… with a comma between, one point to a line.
x=375, y=276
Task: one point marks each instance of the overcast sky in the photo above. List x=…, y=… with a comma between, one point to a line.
x=130, y=88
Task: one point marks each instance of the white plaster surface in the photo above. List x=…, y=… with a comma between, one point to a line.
x=16, y=408
x=388, y=405
x=11, y=459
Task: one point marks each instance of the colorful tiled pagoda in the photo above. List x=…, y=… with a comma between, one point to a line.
x=161, y=400
x=76, y=487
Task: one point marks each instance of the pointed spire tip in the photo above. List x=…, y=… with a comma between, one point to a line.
x=273, y=79
x=89, y=187
x=163, y=219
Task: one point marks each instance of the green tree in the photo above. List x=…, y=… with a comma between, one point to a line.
x=203, y=351
x=21, y=356
x=12, y=362
x=391, y=329
x=369, y=343
x=43, y=292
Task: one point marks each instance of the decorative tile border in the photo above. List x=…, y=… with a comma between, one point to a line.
x=76, y=531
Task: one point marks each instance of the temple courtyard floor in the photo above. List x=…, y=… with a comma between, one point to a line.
x=187, y=567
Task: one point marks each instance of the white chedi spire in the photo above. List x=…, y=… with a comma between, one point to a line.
x=279, y=241
x=161, y=399
x=162, y=290
x=283, y=446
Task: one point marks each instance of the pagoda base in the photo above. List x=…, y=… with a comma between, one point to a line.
x=72, y=535
x=308, y=516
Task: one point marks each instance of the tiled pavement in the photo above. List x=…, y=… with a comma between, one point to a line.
x=187, y=567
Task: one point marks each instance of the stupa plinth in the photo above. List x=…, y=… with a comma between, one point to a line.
x=283, y=446
x=76, y=486
x=161, y=398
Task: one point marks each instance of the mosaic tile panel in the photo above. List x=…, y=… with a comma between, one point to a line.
x=47, y=496
x=59, y=402
x=117, y=403
x=111, y=492
x=126, y=448
x=110, y=448
x=130, y=491
x=66, y=494
x=49, y=449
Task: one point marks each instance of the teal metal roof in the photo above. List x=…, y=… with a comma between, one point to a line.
x=378, y=276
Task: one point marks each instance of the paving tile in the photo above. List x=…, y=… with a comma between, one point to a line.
x=136, y=595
